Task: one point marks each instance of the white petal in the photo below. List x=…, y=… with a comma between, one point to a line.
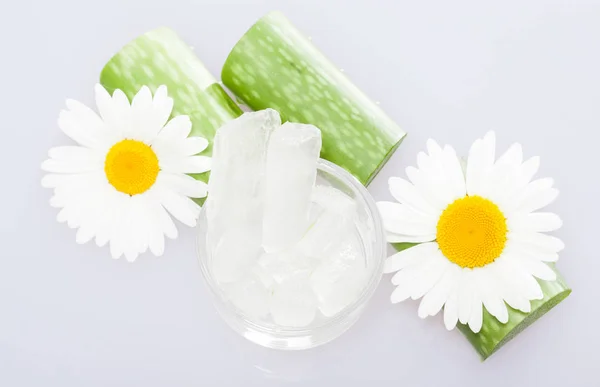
x=399, y=238
x=183, y=184
x=120, y=101
x=513, y=156
x=133, y=232
x=529, y=168
x=480, y=161
x=159, y=224
x=538, y=201
x=489, y=292
x=396, y=211
x=82, y=125
x=144, y=124
x=401, y=293
x=169, y=148
x=454, y=173
x=441, y=180
x=84, y=235
x=534, y=222
x=509, y=286
x=53, y=181
x=104, y=102
x=466, y=289
x=117, y=240
x=510, y=181
x=531, y=252
x=58, y=166
x=426, y=276
x=168, y=227
x=414, y=274
x=433, y=301
x=182, y=208
x=527, y=286
x=409, y=257
x=433, y=148
x=427, y=184
x=177, y=128
x=536, y=268
x=123, y=115
x=160, y=215
x=430, y=180
x=537, y=241
x=495, y=184
x=57, y=202
x=163, y=105
x=407, y=194
x=400, y=219
x=144, y=222
x=73, y=153
x=535, y=195
x=142, y=100
x=189, y=164
x=451, y=311
x=476, y=316
x=193, y=145
x=156, y=240
x=105, y=217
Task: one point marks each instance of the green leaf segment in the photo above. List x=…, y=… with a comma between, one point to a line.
x=275, y=66
x=160, y=57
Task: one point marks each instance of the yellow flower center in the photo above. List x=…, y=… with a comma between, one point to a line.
x=472, y=232
x=131, y=167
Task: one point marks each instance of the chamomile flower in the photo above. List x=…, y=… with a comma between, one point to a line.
x=481, y=241
x=127, y=175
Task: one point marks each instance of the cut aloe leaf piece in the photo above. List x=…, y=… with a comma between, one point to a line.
x=275, y=66
x=493, y=334
x=160, y=57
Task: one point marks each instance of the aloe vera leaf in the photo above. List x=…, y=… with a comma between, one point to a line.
x=275, y=66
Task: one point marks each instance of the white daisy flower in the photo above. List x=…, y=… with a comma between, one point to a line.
x=128, y=171
x=481, y=241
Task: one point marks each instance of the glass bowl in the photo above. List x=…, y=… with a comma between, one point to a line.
x=371, y=235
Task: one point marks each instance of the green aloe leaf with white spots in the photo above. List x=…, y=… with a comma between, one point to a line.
x=275, y=66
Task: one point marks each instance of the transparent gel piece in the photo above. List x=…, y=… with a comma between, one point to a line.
x=234, y=252
x=277, y=268
x=236, y=185
x=339, y=279
x=334, y=200
x=291, y=171
x=250, y=296
x=324, y=234
x=293, y=303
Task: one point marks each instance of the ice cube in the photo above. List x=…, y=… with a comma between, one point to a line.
x=293, y=303
x=339, y=279
x=277, y=268
x=234, y=251
x=333, y=218
x=325, y=234
x=236, y=185
x=332, y=199
x=236, y=197
x=291, y=172
x=250, y=296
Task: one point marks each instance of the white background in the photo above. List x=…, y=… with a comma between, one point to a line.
x=72, y=316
